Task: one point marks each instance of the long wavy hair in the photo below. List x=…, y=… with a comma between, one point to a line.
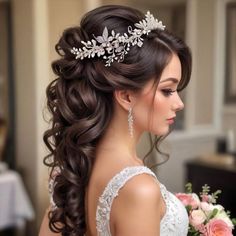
x=81, y=103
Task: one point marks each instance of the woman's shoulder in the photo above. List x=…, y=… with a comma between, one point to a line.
x=132, y=183
x=137, y=200
x=139, y=183
x=128, y=190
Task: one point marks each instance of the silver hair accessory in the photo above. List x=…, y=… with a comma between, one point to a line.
x=130, y=122
x=115, y=46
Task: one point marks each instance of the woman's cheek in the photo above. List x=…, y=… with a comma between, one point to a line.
x=141, y=118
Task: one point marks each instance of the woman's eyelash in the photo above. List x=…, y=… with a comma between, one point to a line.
x=168, y=92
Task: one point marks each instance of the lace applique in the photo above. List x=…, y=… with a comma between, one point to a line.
x=173, y=223
x=51, y=185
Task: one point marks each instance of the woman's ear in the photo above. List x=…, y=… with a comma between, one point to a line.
x=125, y=98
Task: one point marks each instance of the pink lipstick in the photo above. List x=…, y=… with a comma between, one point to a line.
x=170, y=121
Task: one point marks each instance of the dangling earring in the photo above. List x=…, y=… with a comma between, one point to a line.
x=130, y=122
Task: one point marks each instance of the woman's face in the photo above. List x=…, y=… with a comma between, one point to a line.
x=157, y=117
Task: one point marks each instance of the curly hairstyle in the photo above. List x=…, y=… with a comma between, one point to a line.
x=81, y=103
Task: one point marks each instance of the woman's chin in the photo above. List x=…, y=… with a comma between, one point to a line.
x=161, y=132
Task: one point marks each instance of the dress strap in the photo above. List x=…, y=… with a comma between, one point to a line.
x=111, y=191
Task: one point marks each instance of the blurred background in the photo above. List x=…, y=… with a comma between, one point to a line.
x=202, y=146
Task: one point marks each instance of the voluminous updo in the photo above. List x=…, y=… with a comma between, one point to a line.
x=80, y=101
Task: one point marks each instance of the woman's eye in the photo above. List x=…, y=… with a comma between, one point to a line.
x=167, y=92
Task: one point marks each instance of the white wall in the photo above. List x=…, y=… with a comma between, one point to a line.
x=4, y=61
x=26, y=145
x=228, y=111
x=36, y=26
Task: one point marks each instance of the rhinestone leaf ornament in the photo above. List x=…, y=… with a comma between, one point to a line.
x=114, y=47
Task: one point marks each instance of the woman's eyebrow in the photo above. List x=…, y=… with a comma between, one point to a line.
x=174, y=80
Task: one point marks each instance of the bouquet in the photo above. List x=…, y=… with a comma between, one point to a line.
x=206, y=218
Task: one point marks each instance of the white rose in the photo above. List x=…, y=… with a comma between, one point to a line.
x=206, y=207
x=197, y=217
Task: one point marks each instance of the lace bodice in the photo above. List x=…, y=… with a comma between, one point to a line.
x=173, y=223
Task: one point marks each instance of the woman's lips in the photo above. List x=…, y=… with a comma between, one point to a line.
x=170, y=121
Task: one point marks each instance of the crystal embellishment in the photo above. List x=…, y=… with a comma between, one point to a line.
x=114, y=47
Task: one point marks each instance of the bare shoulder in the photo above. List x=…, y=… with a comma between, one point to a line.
x=137, y=209
x=141, y=187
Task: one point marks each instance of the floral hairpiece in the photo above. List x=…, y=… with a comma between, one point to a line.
x=115, y=46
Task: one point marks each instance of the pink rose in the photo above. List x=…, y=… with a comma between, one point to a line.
x=217, y=227
x=205, y=198
x=196, y=218
x=189, y=199
x=202, y=229
x=221, y=215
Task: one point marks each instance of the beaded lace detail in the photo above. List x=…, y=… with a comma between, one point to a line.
x=173, y=223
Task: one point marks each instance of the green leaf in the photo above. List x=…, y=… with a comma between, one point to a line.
x=188, y=188
x=188, y=208
x=213, y=214
x=233, y=221
x=215, y=195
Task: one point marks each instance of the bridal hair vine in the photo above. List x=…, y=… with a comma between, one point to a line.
x=114, y=47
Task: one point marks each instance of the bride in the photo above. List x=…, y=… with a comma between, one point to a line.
x=118, y=75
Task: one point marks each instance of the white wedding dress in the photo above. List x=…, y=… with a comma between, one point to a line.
x=174, y=222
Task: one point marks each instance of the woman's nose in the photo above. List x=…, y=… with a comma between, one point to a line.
x=178, y=104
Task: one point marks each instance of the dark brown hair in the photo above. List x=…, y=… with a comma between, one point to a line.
x=80, y=101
